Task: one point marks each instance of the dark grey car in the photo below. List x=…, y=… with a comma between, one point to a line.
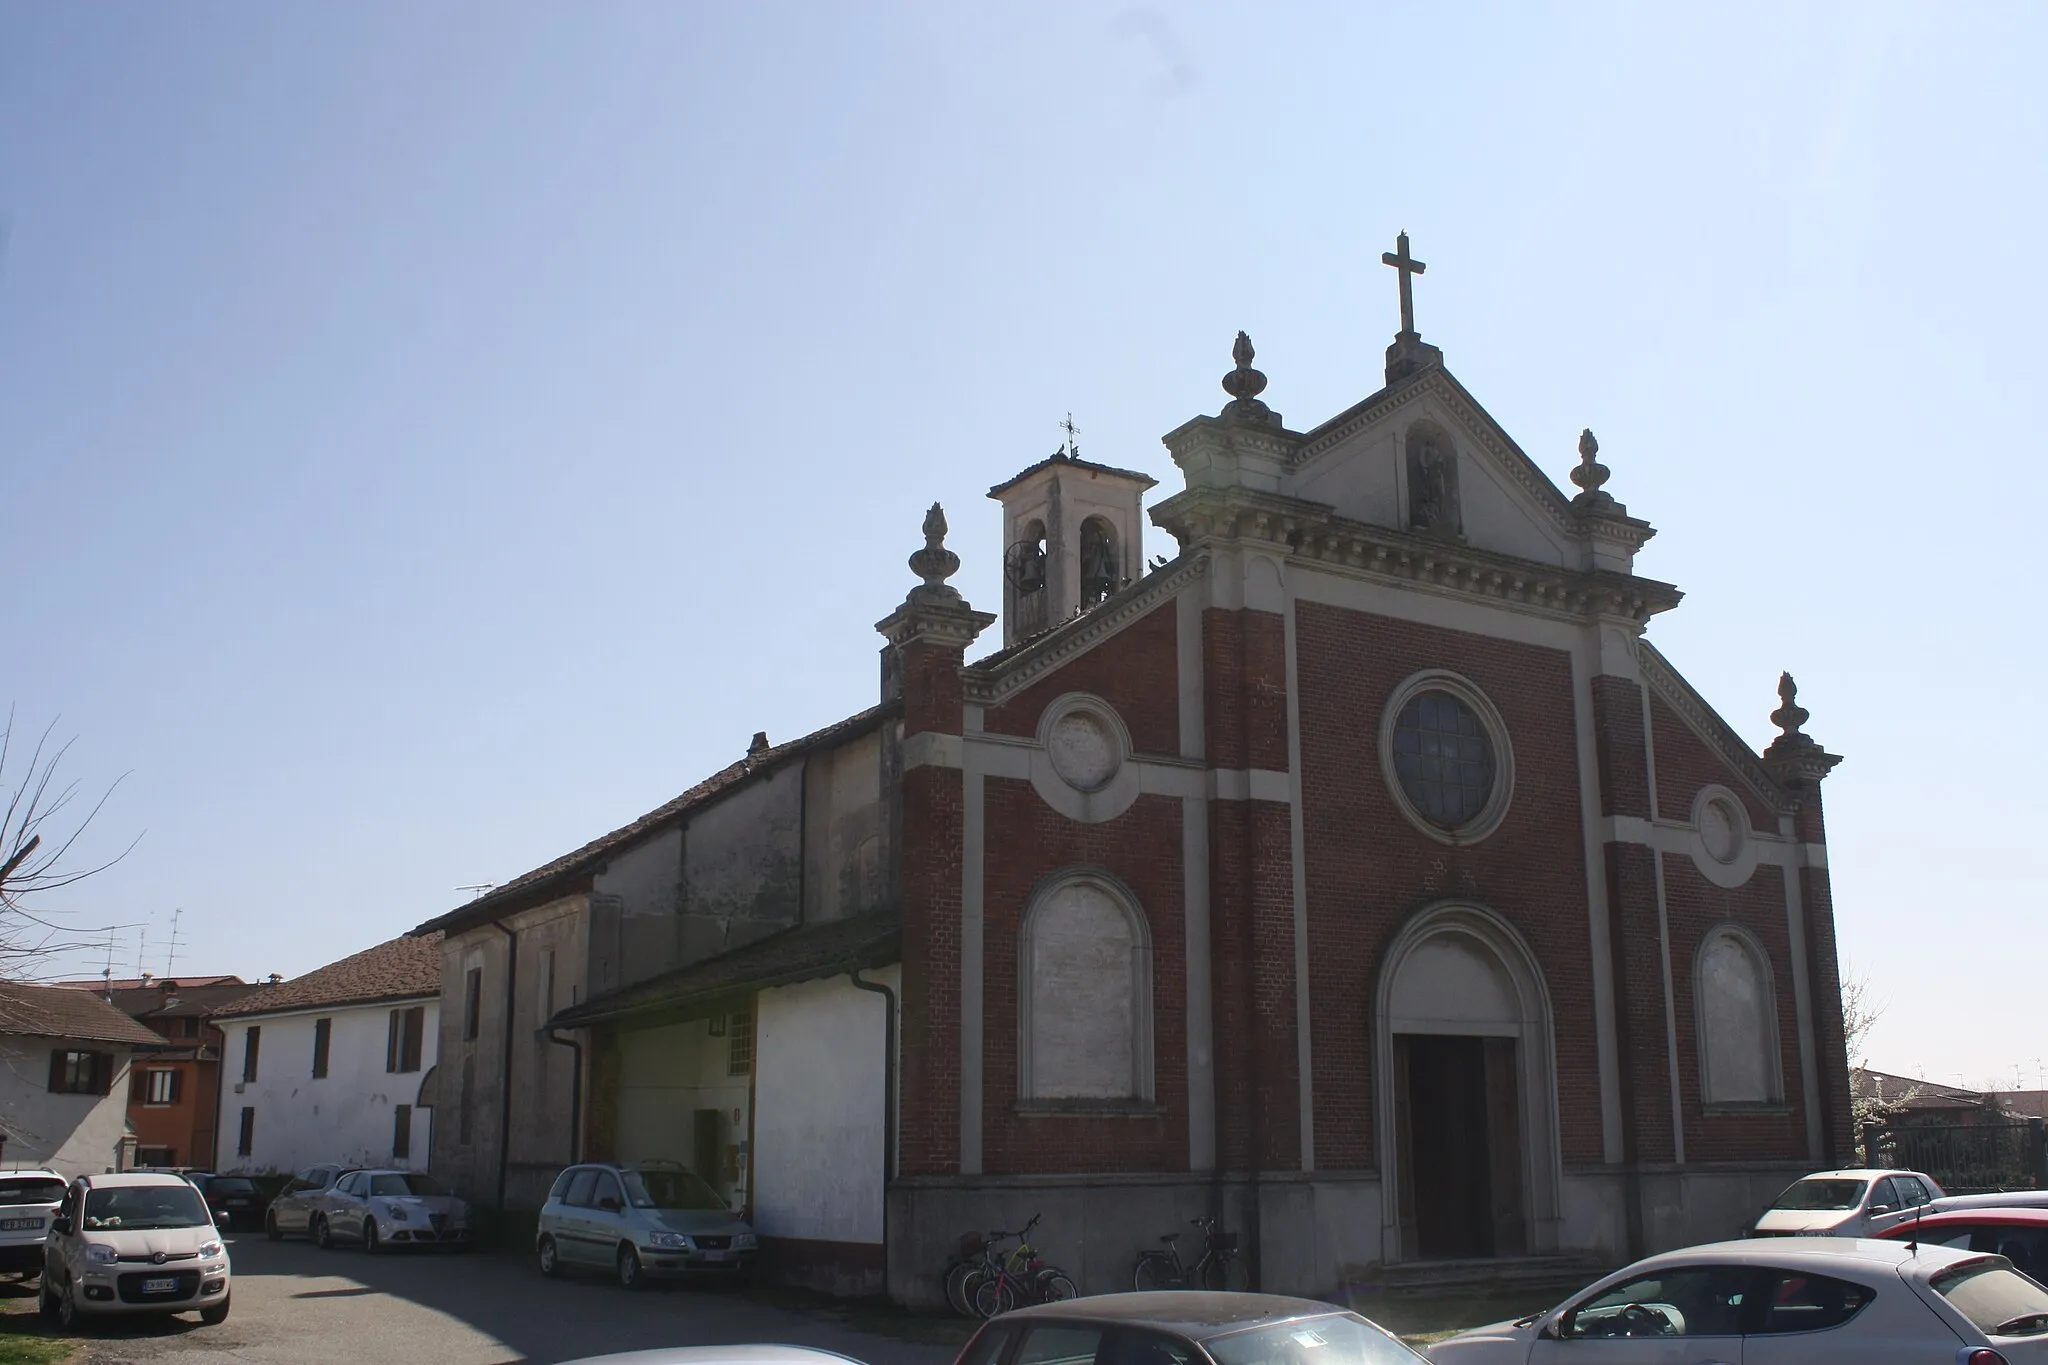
x=293, y=1209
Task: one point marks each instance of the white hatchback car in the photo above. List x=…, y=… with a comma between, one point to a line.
x=28, y=1201
x=134, y=1242
x=1803, y=1301
x=1846, y=1204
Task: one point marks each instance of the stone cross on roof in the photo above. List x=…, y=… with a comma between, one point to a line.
x=1409, y=268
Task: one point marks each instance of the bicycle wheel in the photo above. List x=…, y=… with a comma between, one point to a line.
x=1155, y=1271
x=1222, y=1271
x=1055, y=1286
x=959, y=1292
x=994, y=1295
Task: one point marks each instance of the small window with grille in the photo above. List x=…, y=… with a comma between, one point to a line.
x=739, y=1044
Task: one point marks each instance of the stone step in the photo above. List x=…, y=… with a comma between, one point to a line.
x=1562, y=1273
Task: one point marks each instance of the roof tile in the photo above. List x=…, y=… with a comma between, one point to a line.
x=404, y=968
x=61, y=1012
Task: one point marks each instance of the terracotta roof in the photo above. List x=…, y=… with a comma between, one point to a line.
x=402, y=969
x=503, y=899
x=138, y=983
x=1061, y=457
x=195, y=1001
x=800, y=954
x=60, y=1012
x=1909, y=1095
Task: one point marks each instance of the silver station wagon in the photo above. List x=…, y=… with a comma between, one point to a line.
x=641, y=1222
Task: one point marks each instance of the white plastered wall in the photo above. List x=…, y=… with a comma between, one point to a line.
x=818, y=1133
x=72, y=1135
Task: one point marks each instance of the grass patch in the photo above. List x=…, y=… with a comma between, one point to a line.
x=25, y=1339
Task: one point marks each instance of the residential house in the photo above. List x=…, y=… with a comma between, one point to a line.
x=174, y=1099
x=1360, y=874
x=63, y=1087
x=1905, y=1100
x=335, y=1065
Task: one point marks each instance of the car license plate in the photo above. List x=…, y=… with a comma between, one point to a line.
x=717, y=1255
x=18, y=1224
x=163, y=1286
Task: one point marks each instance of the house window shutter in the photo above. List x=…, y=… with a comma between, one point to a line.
x=415, y=1036
x=103, y=1073
x=392, y=1034
x=57, y=1071
x=323, y=1038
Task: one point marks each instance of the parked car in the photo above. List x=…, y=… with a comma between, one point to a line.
x=1777, y=1301
x=650, y=1221
x=134, y=1242
x=2019, y=1235
x=2004, y=1199
x=381, y=1209
x=234, y=1199
x=293, y=1209
x=1845, y=1204
x=28, y=1201
x=1185, y=1327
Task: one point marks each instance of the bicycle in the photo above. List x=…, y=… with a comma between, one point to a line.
x=978, y=1258
x=1165, y=1270
x=1020, y=1278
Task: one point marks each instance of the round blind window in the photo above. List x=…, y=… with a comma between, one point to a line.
x=1443, y=758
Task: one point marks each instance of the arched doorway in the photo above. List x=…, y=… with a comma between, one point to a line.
x=1467, y=1112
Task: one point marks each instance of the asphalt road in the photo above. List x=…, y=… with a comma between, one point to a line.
x=297, y=1305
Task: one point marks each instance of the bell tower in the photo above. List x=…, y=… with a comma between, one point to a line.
x=1072, y=535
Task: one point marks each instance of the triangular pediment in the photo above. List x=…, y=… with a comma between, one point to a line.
x=1423, y=453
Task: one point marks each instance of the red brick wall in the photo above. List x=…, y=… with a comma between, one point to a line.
x=1369, y=869
x=1026, y=840
x=929, y=1080
x=1693, y=907
x=1685, y=764
x=1137, y=671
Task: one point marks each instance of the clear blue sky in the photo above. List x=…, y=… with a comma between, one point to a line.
x=436, y=434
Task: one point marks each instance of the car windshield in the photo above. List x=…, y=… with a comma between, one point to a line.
x=1339, y=1339
x=1814, y=1195
x=401, y=1185
x=1998, y=1299
x=31, y=1190
x=670, y=1190
x=230, y=1184
x=130, y=1207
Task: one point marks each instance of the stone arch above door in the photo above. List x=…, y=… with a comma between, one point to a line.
x=1458, y=968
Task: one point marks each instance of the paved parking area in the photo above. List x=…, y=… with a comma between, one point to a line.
x=297, y=1305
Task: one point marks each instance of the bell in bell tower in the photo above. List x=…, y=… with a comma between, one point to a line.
x=1072, y=537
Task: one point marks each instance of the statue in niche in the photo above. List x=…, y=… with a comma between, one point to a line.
x=1100, y=575
x=1433, y=483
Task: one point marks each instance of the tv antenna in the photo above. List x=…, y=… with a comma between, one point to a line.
x=171, y=960
x=477, y=889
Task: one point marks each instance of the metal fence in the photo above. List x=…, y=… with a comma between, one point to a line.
x=1965, y=1158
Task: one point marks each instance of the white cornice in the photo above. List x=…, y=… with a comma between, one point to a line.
x=994, y=683
x=1315, y=534
x=1690, y=707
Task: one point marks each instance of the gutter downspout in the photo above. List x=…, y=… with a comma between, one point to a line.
x=575, y=1092
x=888, y=1103
x=505, y=1090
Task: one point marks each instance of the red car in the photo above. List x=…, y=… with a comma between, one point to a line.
x=2019, y=1235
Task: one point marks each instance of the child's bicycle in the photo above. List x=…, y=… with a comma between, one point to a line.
x=1019, y=1278
x=1164, y=1270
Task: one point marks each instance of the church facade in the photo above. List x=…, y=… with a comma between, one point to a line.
x=1359, y=874
x=1362, y=874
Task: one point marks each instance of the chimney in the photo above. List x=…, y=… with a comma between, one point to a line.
x=760, y=744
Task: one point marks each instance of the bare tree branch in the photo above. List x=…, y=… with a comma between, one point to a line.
x=31, y=864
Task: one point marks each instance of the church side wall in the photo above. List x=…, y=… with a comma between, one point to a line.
x=1362, y=887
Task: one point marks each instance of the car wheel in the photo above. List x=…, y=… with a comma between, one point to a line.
x=67, y=1309
x=322, y=1237
x=372, y=1243
x=631, y=1275
x=271, y=1229
x=46, y=1302
x=213, y=1315
x=550, y=1259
